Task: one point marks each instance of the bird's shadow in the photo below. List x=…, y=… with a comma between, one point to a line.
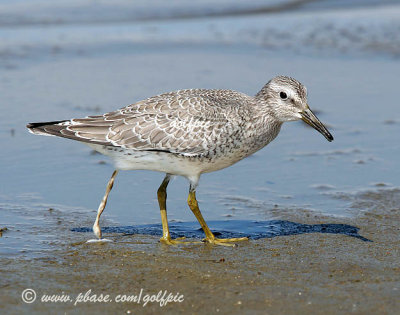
x=234, y=228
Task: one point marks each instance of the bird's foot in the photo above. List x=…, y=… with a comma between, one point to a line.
x=180, y=240
x=225, y=241
x=97, y=232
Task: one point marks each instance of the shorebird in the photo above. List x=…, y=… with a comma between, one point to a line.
x=188, y=133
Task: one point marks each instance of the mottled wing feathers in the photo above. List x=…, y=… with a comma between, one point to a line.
x=188, y=122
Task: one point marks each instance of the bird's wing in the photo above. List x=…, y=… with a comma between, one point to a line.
x=189, y=122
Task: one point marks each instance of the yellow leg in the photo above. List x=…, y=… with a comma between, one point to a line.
x=210, y=238
x=96, y=225
x=162, y=201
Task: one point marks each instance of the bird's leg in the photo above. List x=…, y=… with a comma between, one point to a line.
x=96, y=226
x=162, y=201
x=210, y=238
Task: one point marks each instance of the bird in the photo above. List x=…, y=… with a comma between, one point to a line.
x=188, y=133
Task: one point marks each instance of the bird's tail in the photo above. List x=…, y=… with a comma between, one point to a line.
x=49, y=128
x=75, y=129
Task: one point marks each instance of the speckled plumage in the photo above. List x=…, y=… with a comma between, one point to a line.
x=209, y=129
x=188, y=133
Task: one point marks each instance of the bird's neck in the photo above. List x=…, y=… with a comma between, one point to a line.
x=265, y=125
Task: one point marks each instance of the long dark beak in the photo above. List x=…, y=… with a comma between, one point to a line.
x=309, y=117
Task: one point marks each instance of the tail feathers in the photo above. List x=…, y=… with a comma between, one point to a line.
x=49, y=128
x=62, y=128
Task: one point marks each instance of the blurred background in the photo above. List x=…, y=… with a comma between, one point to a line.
x=68, y=59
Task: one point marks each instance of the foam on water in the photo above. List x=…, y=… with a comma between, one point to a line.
x=102, y=240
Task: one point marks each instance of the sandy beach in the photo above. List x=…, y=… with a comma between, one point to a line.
x=318, y=273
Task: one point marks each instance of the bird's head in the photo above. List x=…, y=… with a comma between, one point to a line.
x=287, y=98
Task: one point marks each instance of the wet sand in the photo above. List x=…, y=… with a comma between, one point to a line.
x=322, y=273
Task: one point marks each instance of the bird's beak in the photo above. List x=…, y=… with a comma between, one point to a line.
x=309, y=117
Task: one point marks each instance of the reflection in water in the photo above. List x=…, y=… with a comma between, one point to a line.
x=235, y=228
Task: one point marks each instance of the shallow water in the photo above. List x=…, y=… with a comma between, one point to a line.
x=53, y=71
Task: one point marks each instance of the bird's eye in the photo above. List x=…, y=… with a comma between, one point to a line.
x=283, y=95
